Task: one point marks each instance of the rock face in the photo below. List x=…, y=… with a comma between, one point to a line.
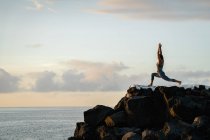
x=164, y=113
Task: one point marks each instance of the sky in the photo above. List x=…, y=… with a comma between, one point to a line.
x=83, y=53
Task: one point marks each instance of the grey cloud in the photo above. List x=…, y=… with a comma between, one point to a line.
x=86, y=76
x=8, y=82
x=157, y=9
x=193, y=77
x=72, y=80
x=75, y=81
x=46, y=82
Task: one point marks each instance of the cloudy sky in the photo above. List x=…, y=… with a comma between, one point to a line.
x=79, y=52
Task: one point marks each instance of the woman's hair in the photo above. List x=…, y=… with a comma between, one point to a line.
x=161, y=56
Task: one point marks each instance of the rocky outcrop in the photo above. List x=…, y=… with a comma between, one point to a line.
x=161, y=113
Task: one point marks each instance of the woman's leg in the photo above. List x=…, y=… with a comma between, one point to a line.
x=163, y=76
x=153, y=75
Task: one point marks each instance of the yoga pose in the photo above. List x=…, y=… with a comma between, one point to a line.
x=160, y=73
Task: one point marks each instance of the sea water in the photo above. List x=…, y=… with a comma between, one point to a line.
x=44, y=123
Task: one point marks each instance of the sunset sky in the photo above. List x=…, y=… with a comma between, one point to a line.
x=88, y=52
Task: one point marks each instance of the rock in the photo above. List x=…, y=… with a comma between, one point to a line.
x=149, y=135
x=201, y=87
x=172, y=91
x=114, y=132
x=207, y=108
x=116, y=119
x=187, y=108
x=202, y=126
x=131, y=136
x=71, y=138
x=132, y=91
x=121, y=131
x=145, y=92
x=84, y=132
x=121, y=104
x=167, y=113
x=201, y=122
x=96, y=115
x=177, y=130
x=146, y=111
x=104, y=133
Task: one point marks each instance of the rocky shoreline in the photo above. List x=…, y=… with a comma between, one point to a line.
x=162, y=113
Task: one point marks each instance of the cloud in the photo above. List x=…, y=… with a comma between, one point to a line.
x=46, y=82
x=37, y=45
x=193, y=77
x=40, y=5
x=37, y=5
x=92, y=76
x=98, y=76
x=94, y=70
x=8, y=82
x=87, y=76
x=156, y=9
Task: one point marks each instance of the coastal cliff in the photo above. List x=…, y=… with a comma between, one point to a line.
x=144, y=113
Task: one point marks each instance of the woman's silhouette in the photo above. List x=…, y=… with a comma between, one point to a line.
x=160, y=72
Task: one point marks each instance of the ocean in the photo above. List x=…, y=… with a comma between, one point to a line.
x=43, y=123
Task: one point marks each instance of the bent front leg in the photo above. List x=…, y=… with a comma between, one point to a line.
x=153, y=75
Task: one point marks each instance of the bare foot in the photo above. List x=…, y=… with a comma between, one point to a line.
x=149, y=85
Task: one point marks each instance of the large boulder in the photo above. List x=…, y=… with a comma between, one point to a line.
x=116, y=119
x=150, y=135
x=84, y=132
x=179, y=130
x=188, y=107
x=172, y=91
x=114, y=133
x=202, y=126
x=96, y=115
x=121, y=104
x=105, y=133
x=164, y=113
x=146, y=111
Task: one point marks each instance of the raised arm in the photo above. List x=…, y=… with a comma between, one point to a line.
x=159, y=53
x=159, y=49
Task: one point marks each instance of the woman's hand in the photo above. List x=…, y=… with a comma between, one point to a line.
x=160, y=45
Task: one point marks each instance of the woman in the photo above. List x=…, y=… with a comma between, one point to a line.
x=160, y=72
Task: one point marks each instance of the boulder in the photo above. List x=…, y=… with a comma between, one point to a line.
x=207, y=108
x=201, y=122
x=121, y=104
x=187, y=108
x=172, y=91
x=116, y=119
x=167, y=113
x=71, y=138
x=84, y=132
x=202, y=126
x=177, y=130
x=132, y=91
x=149, y=135
x=96, y=115
x=131, y=136
x=146, y=111
x=105, y=133
x=121, y=131
x=113, y=133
